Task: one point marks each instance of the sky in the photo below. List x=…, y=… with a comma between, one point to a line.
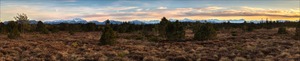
x=126, y=10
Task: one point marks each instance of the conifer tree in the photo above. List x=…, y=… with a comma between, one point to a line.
x=41, y=27
x=108, y=35
x=205, y=32
x=13, y=31
x=162, y=26
x=175, y=31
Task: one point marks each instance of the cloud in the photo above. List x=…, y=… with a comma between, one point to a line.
x=211, y=11
x=139, y=9
x=162, y=8
x=67, y=0
x=119, y=8
x=241, y=11
x=132, y=12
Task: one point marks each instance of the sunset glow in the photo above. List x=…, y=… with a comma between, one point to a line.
x=151, y=10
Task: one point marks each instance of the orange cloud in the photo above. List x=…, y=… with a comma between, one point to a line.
x=136, y=13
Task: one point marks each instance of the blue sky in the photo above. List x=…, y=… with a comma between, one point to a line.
x=151, y=10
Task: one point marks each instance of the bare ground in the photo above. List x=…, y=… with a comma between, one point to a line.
x=259, y=45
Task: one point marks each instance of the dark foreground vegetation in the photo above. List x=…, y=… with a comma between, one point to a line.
x=166, y=41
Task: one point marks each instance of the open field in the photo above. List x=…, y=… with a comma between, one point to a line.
x=259, y=45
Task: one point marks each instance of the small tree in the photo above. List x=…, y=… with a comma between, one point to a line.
x=205, y=32
x=282, y=30
x=108, y=35
x=23, y=20
x=162, y=26
x=2, y=28
x=41, y=27
x=13, y=31
x=297, y=34
x=175, y=31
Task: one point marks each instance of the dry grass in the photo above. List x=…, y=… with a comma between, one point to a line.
x=261, y=44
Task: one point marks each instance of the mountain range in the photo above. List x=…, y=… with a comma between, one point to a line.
x=139, y=22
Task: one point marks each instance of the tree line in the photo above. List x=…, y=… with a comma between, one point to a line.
x=167, y=30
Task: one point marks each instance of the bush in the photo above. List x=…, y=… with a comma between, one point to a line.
x=234, y=33
x=71, y=32
x=205, y=32
x=282, y=30
x=54, y=29
x=13, y=31
x=41, y=27
x=175, y=31
x=2, y=28
x=250, y=29
x=108, y=36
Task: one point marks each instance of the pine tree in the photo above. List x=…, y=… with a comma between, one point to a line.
x=205, y=32
x=23, y=20
x=13, y=31
x=175, y=31
x=108, y=35
x=41, y=27
x=162, y=26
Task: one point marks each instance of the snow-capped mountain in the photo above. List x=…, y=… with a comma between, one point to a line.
x=139, y=22
x=152, y=22
x=73, y=21
x=136, y=22
x=33, y=21
x=114, y=22
x=237, y=21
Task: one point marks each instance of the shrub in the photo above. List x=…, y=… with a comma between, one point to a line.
x=13, y=31
x=233, y=33
x=250, y=29
x=282, y=30
x=41, y=27
x=175, y=31
x=195, y=26
x=108, y=36
x=54, y=29
x=205, y=32
x=90, y=27
x=71, y=32
x=2, y=28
